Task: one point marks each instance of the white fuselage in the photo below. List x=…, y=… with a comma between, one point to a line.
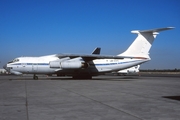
x=41, y=65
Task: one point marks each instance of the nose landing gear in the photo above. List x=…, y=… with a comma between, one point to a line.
x=35, y=77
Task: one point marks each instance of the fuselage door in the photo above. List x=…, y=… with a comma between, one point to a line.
x=34, y=67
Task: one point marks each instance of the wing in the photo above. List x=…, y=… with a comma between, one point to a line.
x=91, y=57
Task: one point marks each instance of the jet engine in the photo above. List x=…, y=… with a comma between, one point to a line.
x=73, y=65
x=54, y=64
x=68, y=64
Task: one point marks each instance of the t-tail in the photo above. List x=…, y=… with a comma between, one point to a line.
x=142, y=44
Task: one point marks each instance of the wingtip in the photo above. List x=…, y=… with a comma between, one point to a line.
x=171, y=27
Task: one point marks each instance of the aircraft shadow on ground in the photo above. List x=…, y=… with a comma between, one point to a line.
x=172, y=97
x=100, y=78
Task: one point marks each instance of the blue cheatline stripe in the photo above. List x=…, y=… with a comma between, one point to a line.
x=30, y=64
x=114, y=63
x=43, y=63
x=16, y=64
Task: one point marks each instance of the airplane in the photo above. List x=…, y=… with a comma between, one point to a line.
x=84, y=66
x=131, y=70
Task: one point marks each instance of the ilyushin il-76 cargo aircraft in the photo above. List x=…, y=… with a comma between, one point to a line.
x=85, y=66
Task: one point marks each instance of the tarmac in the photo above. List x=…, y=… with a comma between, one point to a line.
x=105, y=97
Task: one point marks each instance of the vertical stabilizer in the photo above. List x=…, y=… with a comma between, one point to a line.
x=142, y=44
x=96, y=51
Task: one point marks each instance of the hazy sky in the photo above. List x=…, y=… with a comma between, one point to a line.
x=43, y=27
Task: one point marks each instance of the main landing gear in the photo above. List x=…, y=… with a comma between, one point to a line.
x=35, y=77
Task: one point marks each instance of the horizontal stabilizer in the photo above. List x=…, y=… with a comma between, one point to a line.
x=152, y=30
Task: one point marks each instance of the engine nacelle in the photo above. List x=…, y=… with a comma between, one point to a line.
x=54, y=64
x=68, y=64
x=73, y=65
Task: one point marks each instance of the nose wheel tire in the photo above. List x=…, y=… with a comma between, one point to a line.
x=35, y=77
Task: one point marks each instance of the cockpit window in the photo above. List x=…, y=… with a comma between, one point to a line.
x=15, y=60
